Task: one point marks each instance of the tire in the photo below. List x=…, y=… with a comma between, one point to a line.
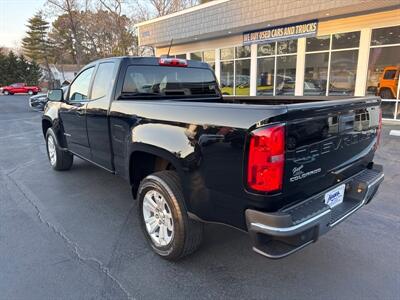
x=6, y=93
x=182, y=236
x=386, y=94
x=30, y=93
x=60, y=160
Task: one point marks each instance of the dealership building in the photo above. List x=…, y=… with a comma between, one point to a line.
x=290, y=47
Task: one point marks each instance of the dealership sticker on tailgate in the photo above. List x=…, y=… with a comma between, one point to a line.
x=335, y=196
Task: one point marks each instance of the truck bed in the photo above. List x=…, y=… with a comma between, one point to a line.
x=276, y=100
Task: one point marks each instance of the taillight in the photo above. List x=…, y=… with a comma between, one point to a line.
x=172, y=62
x=266, y=160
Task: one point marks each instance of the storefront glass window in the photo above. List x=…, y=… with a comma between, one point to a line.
x=265, y=76
x=320, y=43
x=342, y=68
x=398, y=110
x=242, y=77
x=282, y=80
x=235, y=71
x=346, y=40
x=316, y=73
x=266, y=49
x=388, y=108
x=227, y=79
x=286, y=47
x=242, y=51
x=385, y=36
x=383, y=72
x=384, y=69
x=196, y=56
x=285, y=75
x=343, y=73
x=209, y=55
x=227, y=53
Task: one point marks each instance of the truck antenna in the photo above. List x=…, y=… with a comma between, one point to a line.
x=170, y=45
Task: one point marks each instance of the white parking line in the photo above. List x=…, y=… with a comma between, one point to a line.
x=395, y=132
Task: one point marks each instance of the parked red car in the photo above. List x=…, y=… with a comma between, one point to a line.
x=19, y=88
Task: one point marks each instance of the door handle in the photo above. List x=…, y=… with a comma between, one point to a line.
x=80, y=112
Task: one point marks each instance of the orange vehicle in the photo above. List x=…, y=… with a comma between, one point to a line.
x=388, y=83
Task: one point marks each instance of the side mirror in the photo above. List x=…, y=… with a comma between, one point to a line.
x=55, y=95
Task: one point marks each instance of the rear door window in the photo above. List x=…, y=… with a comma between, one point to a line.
x=102, y=80
x=166, y=82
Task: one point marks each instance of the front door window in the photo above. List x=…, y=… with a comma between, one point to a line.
x=79, y=90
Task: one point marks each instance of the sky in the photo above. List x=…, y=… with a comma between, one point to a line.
x=14, y=15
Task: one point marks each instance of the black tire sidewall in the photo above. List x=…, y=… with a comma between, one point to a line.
x=175, y=247
x=64, y=159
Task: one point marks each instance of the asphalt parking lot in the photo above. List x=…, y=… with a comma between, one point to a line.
x=75, y=235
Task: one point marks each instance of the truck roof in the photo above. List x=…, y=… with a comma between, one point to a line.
x=149, y=60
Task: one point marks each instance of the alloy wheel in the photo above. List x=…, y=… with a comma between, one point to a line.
x=158, y=218
x=51, y=148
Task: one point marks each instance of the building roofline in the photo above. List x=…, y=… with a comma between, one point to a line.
x=182, y=12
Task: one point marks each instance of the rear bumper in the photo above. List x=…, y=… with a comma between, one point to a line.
x=276, y=235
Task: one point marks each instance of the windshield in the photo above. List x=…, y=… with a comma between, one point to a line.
x=166, y=82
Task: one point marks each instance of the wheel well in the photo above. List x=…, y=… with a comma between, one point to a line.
x=46, y=124
x=143, y=164
x=386, y=89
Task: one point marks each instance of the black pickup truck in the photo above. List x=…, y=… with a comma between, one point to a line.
x=285, y=170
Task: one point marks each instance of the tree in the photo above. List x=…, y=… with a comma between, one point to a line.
x=36, y=44
x=12, y=68
x=71, y=9
x=82, y=32
x=3, y=68
x=62, y=38
x=28, y=71
x=18, y=69
x=122, y=26
x=102, y=33
x=147, y=9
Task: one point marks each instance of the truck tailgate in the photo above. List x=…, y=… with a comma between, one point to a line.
x=326, y=142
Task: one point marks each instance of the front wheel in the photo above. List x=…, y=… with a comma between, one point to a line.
x=60, y=160
x=164, y=219
x=30, y=93
x=6, y=93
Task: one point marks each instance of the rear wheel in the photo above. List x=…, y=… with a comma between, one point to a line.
x=30, y=92
x=60, y=160
x=164, y=219
x=6, y=93
x=386, y=94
